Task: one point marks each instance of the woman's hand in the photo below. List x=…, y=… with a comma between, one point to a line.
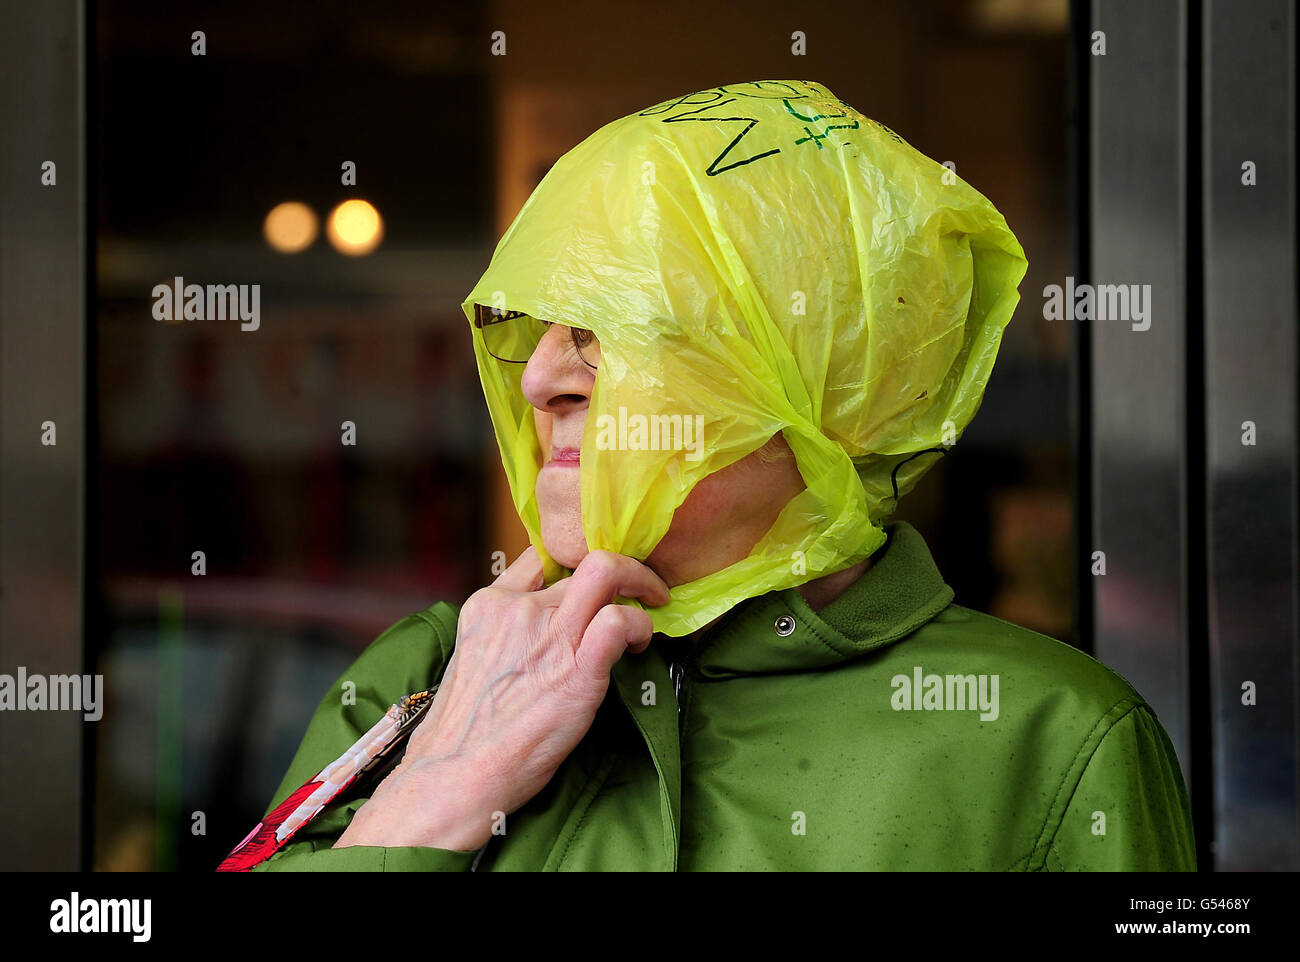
x=522, y=687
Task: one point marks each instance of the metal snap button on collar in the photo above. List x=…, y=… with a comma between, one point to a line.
x=784, y=625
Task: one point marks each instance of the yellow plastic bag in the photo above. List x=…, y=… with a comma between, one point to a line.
x=758, y=257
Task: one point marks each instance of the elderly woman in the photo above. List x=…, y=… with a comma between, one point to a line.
x=719, y=341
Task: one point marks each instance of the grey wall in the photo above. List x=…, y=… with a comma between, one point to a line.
x=42, y=373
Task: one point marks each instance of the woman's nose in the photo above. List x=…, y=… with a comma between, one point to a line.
x=555, y=378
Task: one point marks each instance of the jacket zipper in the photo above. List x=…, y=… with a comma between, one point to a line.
x=675, y=673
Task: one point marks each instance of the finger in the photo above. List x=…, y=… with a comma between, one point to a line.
x=601, y=577
x=614, y=630
x=524, y=574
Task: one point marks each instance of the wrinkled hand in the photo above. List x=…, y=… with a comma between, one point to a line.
x=530, y=668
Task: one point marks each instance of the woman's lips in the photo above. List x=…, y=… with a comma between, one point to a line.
x=564, y=457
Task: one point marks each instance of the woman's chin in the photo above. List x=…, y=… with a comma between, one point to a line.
x=565, y=549
x=569, y=559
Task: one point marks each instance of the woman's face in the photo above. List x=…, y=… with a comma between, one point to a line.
x=718, y=524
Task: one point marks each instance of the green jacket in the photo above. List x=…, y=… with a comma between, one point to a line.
x=804, y=741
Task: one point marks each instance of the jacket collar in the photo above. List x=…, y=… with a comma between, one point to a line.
x=900, y=592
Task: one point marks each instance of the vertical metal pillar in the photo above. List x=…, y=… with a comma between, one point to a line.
x=1251, y=438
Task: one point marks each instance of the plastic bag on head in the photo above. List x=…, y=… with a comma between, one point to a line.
x=755, y=258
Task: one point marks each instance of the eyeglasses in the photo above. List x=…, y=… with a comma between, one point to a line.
x=587, y=345
x=513, y=336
